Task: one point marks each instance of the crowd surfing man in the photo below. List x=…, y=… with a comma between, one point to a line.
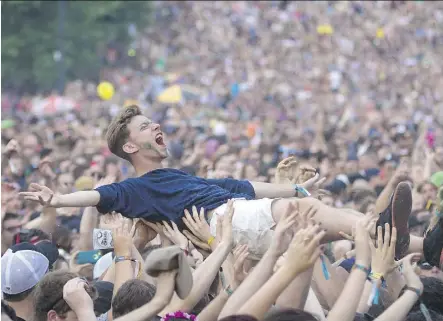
x=159, y=194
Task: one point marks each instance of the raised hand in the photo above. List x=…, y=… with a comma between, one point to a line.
x=284, y=171
x=314, y=183
x=158, y=228
x=304, y=173
x=240, y=254
x=122, y=236
x=362, y=240
x=143, y=233
x=383, y=254
x=197, y=224
x=304, y=249
x=227, y=224
x=75, y=295
x=411, y=277
x=175, y=236
x=279, y=240
x=40, y=194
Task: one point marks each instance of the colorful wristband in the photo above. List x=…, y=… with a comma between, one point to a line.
x=211, y=239
x=376, y=276
x=302, y=190
x=362, y=268
x=123, y=258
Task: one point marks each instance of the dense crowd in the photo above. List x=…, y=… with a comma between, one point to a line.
x=264, y=161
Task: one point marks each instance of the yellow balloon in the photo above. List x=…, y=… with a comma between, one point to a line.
x=105, y=90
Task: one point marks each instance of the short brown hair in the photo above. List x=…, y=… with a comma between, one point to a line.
x=118, y=132
x=48, y=294
x=132, y=295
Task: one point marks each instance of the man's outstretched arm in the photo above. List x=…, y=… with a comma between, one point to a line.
x=47, y=197
x=270, y=190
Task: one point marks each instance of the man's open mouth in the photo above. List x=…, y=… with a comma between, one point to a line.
x=159, y=140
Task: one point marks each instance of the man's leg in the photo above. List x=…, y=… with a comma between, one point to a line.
x=334, y=220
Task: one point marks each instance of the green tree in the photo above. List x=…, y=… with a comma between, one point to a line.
x=30, y=31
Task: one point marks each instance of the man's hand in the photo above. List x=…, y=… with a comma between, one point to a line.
x=304, y=249
x=314, y=183
x=122, y=237
x=383, y=255
x=285, y=171
x=287, y=222
x=240, y=255
x=411, y=277
x=304, y=173
x=158, y=228
x=362, y=240
x=143, y=233
x=175, y=236
x=224, y=230
x=75, y=295
x=40, y=194
x=197, y=224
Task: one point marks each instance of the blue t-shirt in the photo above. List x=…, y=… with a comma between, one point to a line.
x=164, y=194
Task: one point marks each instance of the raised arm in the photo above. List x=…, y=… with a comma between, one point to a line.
x=263, y=271
x=162, y=297
x=301, y=255
x=400, y=308
x=346, y=306
x=207, y=271
x=46, y=197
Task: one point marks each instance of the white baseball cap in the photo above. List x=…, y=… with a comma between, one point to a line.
x=22, y=270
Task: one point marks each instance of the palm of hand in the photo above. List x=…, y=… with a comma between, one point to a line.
x=110, y=221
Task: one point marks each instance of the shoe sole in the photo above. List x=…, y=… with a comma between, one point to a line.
x=401, y=207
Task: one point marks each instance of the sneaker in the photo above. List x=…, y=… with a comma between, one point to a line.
x=433, y=245
x=397, y=214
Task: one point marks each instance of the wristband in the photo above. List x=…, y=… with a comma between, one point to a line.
x=228, y=290
x=362, y=268
x=376, y=276
x=211, y=239
x=123, y=258
x=302, y=190
x=415, y=290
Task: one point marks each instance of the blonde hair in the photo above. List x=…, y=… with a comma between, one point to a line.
x=118, y=133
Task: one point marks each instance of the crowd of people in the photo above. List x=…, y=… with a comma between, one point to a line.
x=299, y=176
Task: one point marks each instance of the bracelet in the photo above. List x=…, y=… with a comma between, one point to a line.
x=415, y=290
x=376, y=276
x=302, y=190
x=362, y=268
x=139, y=272
x=123, y=258
x=228, y=290
x=211, y=239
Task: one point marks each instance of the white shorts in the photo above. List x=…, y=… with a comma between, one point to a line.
x=252, y=223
